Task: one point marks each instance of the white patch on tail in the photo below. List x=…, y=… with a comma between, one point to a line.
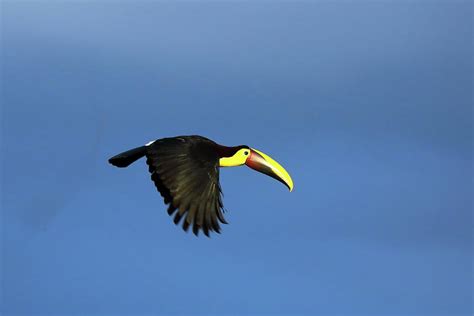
x=148, y=144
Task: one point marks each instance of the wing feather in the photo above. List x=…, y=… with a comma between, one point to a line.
x=185, y=171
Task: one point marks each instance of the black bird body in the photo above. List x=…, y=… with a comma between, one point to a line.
x=185, y=170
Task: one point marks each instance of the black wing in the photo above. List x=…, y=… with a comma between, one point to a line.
x=185, y=171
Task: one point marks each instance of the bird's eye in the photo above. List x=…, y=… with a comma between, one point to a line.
x=246, y=153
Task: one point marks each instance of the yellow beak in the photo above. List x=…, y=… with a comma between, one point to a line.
x=265, y=164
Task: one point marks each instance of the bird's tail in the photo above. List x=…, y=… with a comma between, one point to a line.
x=124, y=159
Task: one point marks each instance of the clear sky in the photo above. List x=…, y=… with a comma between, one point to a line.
x=368, y=105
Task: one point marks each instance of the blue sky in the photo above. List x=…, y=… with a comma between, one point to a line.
x=368, y=105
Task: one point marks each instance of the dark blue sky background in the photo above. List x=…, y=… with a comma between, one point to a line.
x=368, y=105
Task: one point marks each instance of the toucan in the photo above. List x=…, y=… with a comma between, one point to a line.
x=185, y=170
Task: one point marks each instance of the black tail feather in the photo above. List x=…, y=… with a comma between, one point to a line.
x=124, y=159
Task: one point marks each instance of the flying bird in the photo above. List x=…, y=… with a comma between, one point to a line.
x=185, y=170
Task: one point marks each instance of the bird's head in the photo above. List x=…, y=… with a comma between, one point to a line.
x=256, y=160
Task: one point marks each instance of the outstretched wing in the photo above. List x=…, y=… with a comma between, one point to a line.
x=185, y=171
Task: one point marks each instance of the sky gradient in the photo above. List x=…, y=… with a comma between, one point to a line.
x=368, y=105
